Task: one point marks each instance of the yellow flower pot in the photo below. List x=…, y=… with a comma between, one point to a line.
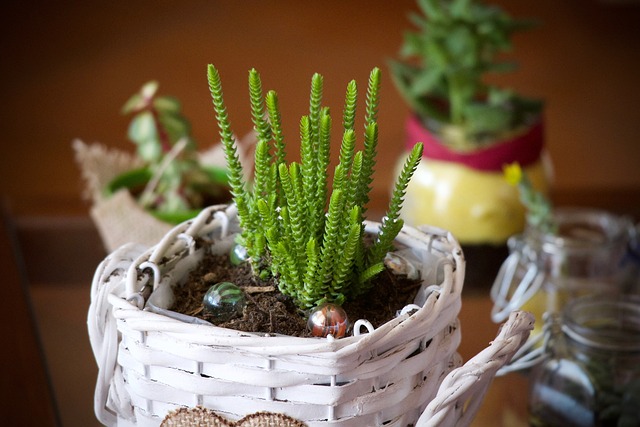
x=478, y=207
x=465, y=192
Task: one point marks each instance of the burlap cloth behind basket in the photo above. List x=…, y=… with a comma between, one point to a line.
x=202, y=417
x=118, y=218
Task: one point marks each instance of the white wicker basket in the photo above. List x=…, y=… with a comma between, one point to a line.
x=152, y=361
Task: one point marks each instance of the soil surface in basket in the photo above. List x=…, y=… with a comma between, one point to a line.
x=269, y=311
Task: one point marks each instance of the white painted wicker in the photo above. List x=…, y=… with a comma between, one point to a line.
x=152, y=361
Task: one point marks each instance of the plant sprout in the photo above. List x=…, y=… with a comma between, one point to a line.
x=539, y=208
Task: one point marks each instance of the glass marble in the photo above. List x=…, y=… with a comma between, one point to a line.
x=401, y=266
x=224, y=301
x=238, y=255
x=328, y=319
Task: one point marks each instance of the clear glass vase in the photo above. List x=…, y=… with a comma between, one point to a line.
x=591, y=373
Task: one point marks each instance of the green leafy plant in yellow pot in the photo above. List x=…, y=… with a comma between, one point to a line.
x=469, y=128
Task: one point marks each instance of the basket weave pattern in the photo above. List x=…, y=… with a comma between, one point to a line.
x=152, y=362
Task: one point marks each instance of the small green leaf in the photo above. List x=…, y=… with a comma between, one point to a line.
x=349, y=114
x=142, y=128
x=167, y=105
x=135, y=103
x=175, y=126
x=141, y=99
x=487, y=118
x=425, y=83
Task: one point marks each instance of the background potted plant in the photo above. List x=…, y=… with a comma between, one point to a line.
x=164, y=183
x=154, y=360
x=470, y=128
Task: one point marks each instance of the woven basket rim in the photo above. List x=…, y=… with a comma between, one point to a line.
x=206, y=333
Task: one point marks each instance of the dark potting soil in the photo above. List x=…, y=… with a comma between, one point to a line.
x=269, y=311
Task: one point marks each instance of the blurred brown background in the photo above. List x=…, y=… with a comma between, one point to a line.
x=68, y=67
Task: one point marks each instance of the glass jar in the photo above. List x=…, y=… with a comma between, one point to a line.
x=588, y=254
x=591, y=374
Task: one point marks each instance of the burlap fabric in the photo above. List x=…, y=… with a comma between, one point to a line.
x=202, y=417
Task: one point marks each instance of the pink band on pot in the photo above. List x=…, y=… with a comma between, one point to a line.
x=524, y=148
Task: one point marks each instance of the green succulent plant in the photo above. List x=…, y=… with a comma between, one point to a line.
x=316, y=248
x=163, y=139
x=442, y=66
x=539, y=208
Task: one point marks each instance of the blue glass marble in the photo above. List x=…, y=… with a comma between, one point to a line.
x=224, y=301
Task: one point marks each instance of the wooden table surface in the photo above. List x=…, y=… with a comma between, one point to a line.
x=25, y=389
